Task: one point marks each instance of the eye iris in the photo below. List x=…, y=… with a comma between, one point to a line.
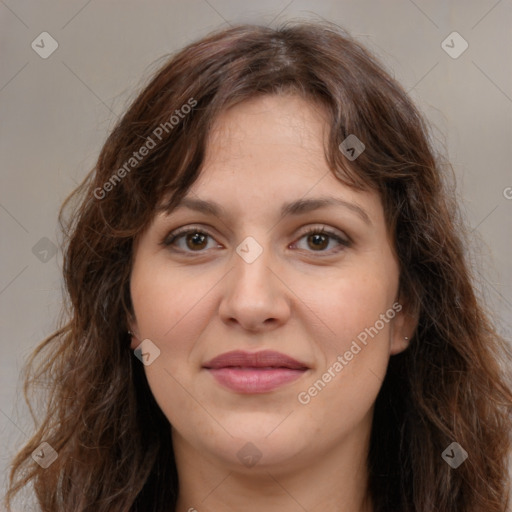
x=196, y=241
x=318, y=241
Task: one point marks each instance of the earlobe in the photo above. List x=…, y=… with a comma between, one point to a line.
x=132, y=329
x=403, y=329
x=399, y=345
x=133, y=340
x=132, y=332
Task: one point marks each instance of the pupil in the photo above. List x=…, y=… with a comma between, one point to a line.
x=196, y=241
x=319, y=241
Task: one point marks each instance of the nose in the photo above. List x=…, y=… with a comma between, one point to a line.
x=254, y=297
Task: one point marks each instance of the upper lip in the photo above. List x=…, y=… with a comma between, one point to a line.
x=262, y=359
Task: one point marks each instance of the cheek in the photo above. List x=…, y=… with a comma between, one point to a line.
x=349, y=303
x=354, y=336
x=167, y=303
x=342, y=391
x=172, y=313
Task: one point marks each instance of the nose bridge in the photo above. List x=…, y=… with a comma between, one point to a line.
x=253, y=295
x=252, y=262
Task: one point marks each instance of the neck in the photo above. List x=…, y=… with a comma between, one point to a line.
x=335, y=480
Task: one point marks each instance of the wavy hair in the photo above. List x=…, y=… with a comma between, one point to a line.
x=113, y=442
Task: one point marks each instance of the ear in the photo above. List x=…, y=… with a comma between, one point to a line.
x=133, y=333
x=404, y=326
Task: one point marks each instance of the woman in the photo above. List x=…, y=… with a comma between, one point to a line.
x=269, y=304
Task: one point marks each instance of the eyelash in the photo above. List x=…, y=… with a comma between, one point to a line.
x=171, y=238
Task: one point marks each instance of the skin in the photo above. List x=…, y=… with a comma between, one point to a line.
x=304, y=297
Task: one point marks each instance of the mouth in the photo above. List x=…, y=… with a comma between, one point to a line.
x=258, y=372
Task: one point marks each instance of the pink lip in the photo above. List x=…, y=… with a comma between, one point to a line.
x=257, y=372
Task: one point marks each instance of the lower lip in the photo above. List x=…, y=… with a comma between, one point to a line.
x=255, y=380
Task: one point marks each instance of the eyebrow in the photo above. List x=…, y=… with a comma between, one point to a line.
x=298, y=207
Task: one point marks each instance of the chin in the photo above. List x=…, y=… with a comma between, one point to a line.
x=260, y=444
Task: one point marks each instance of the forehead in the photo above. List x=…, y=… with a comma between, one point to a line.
x=288, y=122
x=264, y=144
x=272, y=148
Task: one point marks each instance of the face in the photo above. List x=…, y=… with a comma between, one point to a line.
x=288, y=275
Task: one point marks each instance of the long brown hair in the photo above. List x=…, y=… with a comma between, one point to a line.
x=113, y=442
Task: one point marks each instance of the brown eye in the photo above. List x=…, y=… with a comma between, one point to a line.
x=190, y=240
x=318, y=241
x=322, y=241
x=196, y=241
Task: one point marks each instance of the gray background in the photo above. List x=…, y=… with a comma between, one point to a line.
x=56, y=112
